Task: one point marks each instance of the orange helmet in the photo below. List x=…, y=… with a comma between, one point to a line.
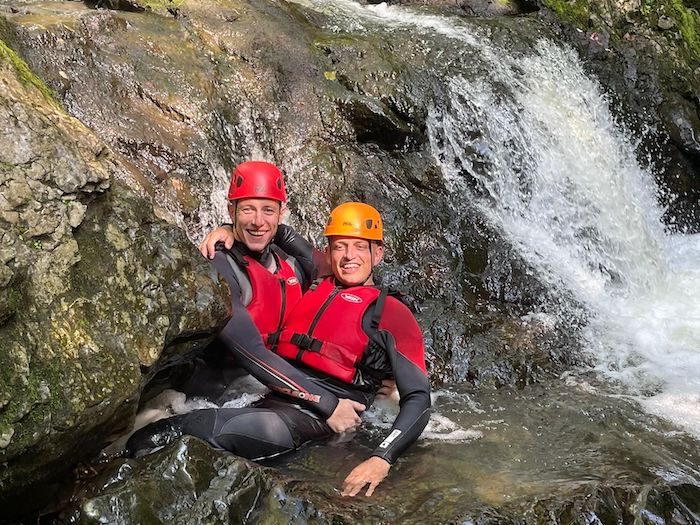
x=355, y=219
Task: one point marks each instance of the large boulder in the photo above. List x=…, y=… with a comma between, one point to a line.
x=93, y=287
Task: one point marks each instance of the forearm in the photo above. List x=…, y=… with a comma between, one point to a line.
x=312, y=261
x=241, y=336
x=408, y=426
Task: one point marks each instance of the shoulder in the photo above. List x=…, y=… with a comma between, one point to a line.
x=229, y=269
x=399, y=320
x=395, y=311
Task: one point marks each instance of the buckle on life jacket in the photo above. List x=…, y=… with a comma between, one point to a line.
x=306, y=342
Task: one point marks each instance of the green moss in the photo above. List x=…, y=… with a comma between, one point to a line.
x=26, y=76
x=572, y=11
x=688, y=21
x=162, y=4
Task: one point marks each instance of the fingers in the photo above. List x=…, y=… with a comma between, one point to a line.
x=208, y=246
x=222, y=234
x=351, y=488
x=372, y=486
x=358, y=407
x=203, y=249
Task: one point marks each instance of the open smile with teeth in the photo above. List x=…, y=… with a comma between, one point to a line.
x=256, y=233
x=349, y=267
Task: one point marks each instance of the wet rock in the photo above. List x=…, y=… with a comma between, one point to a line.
x=665, y=23
x=190, y=482
x=79, y=315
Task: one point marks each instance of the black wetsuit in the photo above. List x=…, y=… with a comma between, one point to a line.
x=302, y=399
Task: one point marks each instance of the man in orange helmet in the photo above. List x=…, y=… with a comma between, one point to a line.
x=344, y=337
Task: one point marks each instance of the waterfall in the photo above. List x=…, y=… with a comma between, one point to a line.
x=533, y=144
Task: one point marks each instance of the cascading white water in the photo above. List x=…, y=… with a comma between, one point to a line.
x=565, y=189
x=558, y=177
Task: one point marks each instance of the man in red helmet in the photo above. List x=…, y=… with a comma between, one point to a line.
x=266, y=284
x=339, y=342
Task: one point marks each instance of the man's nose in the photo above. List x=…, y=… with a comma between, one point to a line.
x=258, y=218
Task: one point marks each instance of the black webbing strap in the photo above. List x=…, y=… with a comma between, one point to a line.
x=379, y=308
x=237, y=255
x=306, y=342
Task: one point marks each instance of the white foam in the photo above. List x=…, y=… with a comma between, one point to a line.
x=683, y=409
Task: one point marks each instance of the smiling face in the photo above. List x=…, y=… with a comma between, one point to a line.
x=255, y=221
x=352, y=259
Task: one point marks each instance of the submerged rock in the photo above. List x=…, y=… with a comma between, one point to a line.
x=526, y=456
x=189, y=482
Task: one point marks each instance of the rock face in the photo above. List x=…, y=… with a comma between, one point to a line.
x=92, y=288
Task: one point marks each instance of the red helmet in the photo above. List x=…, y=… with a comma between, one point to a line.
x=257, y=179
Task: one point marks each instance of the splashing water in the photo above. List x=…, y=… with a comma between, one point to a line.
x=534, y=143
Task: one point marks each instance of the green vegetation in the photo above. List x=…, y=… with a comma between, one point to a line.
x=574, y=12
x=26, y=76
x=162, y=4
x=688, y=21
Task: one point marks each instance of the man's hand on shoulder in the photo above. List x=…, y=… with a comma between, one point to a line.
x=372, y=471
x=345, y=416
x=222, y=234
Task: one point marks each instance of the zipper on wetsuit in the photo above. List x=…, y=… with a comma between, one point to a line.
x=318, y=315
x=284, y=303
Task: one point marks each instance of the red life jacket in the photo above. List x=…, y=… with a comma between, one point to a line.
x=274, y=295
x=312, y=336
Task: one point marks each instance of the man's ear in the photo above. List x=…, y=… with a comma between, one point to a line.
x=377, y=254
x=232, y=211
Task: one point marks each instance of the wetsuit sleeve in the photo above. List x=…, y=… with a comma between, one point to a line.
x=312, y=260
x=241, y=336
x=402, y=339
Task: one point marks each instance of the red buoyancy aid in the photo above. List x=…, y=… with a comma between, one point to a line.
x=324, y=331
x=274, y=295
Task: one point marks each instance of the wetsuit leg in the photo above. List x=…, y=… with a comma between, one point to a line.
x=267, y=430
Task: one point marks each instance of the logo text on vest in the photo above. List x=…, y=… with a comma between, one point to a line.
x=351, y=298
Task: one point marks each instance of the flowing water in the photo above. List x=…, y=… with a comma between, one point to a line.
x=531, y=140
